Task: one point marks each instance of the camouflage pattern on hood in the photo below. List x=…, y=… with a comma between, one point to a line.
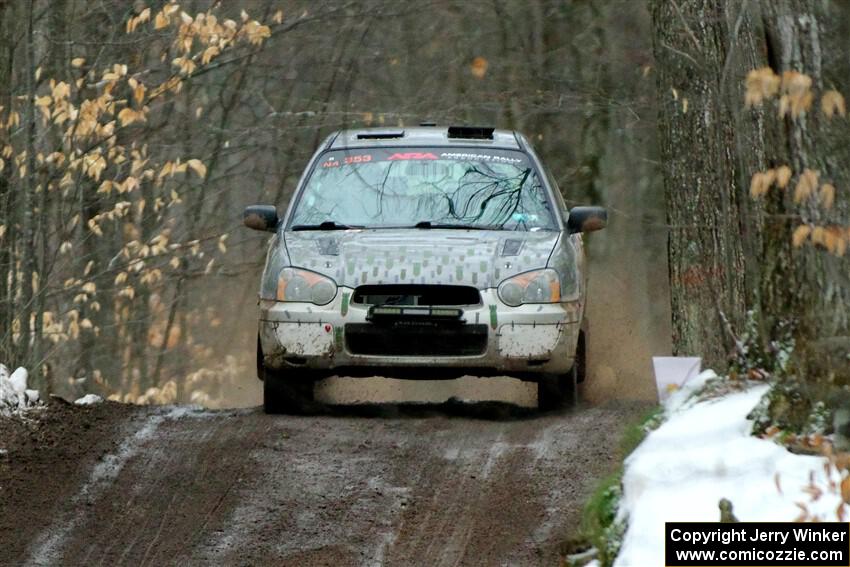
x=416, y=256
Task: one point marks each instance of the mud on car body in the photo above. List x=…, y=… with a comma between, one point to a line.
x=424, y=252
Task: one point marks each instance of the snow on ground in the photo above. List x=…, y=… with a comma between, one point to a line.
x=702, y=453
x=14, y=395
x=88, y=400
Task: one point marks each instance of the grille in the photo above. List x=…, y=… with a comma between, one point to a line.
x=415, y=338
x=396, y=294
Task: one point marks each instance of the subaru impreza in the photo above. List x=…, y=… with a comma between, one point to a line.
x=425, y=252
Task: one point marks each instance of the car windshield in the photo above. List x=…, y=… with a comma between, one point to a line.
x=424, y=188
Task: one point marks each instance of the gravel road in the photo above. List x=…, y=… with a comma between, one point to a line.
x=386, y=484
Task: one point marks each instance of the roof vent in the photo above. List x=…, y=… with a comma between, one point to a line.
x=471, y=132
x=386, y=135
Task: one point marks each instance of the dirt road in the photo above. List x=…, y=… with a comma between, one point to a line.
x=484, y=484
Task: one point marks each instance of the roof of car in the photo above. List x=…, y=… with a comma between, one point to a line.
x=423, y=136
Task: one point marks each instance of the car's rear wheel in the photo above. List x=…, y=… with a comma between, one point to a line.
x=555, y=391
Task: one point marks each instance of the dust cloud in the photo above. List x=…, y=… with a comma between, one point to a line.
x=350, y=391
x=628, y=324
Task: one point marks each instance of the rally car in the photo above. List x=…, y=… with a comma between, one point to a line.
x=424, y=252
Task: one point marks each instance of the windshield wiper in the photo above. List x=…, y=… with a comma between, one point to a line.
x=429, y=224
x=326, y=225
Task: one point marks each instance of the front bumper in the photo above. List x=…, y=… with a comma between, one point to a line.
x=536, y=338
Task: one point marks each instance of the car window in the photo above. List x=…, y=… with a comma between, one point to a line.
x=392, y=187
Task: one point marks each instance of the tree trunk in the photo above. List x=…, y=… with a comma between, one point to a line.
x=701, y=182
x=7, y=209
x=728, y=253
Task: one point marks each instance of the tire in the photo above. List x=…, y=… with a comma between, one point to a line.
x=555, y=391
x=581, y=358
x=284, y=391
x=287, y=392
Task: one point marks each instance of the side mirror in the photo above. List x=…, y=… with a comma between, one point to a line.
x=261, y=217
x=587, y=219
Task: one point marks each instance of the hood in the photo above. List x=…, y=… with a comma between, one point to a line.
x=415, y=256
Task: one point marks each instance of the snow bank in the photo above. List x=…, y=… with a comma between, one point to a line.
x=14, y=395
x=702, y=453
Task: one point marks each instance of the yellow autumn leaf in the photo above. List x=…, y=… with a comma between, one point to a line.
x=784, y=105
x=827, y=195
x=795, y=83
x=94, y=227
x=198, y=167
x=841, y=245
x=209, y=53
x=819, y=235
x=478, y=67
x=128, y=116
x=783, y=176
x=761, y=83
x=160, y=21
x=831, y=239
x=186, y=65
x=167, y=169
x=60, y=91
x=130, y=184
x=761, y=182
x=139, y=93
x=806, y=185
x=801, y=233
x=78, y=62
x=278, y=17
x=832, y=103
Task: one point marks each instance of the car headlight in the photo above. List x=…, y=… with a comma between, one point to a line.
x=539, y=286
x=294, y=284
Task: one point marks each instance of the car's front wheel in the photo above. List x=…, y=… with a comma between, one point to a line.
x=285, y=391
x=555, y=391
